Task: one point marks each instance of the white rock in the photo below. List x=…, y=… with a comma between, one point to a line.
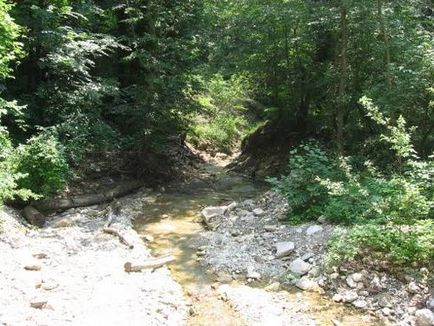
x=386, y=311
x=360, y=304
x=38, y=303
x=413, y=288
x=311, y=230
x=258, y=211
x=357, y=277
x=283, y=249
x=271, y=228
x=349, y=296
x=350, y=282
x=424, y=317
x=272, y=287
x=337, y=297
x=430, y=304
x=307, y=256
x=232, y=206
x=307, y=284
x=299, y=267
x=210, y=212
x=252, y=274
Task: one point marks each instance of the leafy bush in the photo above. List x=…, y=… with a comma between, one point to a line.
x=222, y=122
x=404, y=245
x=42, y=164
x=306, y=194
x=9, y=177
x=391, y=213
x=219, y=134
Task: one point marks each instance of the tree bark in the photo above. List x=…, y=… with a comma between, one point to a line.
x=386, y=41
x=150, y=264
x=340, y=108
x=50, y=205
x=33, y=216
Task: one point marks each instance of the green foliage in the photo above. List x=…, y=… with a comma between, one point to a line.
x=392, y=213
x=223, y=122
x=220, y=134
x=10, y=49
x=9, y=176
x=400, y=245
x=306, y=194
x=42, y=165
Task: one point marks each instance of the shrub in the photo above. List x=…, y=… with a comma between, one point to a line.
x=9, y=177
x=219, y=134
x=306, y=194
x=400, y=245
x=42, y=164
x=222, y=122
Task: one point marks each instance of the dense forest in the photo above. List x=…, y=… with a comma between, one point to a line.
x=354, y=78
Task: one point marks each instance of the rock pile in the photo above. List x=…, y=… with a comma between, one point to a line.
x=250, y=239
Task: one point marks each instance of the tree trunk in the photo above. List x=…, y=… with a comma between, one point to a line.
x=386, y=41
x=340, y=108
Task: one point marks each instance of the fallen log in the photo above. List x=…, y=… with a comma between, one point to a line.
x=119, y=235
x=33, y=216
x=50, y=205
x=150, y=264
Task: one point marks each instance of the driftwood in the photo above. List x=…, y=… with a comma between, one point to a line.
x=49, y=205
x=107, y=229
x=120, y=236
x=33, y=216
x=150, y=264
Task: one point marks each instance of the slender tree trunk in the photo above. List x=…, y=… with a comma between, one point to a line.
x=340, y=108
x=386, y=41
x=288, y=65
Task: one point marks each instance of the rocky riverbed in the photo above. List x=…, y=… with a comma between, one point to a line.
x=238, y=263
x=250, y=241
x=71, y=273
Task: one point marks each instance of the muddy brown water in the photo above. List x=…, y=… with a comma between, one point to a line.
x=173, y=220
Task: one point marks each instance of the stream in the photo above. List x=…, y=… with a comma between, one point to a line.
x=172, y=220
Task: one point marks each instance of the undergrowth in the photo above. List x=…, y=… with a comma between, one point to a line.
x=391, y=212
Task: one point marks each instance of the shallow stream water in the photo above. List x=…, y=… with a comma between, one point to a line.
x=173, y=220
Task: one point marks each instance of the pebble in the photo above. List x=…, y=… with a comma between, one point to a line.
x=300, y=267
x=253, y=275
x=307, y=284
x=384, y=300
x=322, y=219
x=307, y=256
x=430, y=304
x=38, y=303
x=271, y=228
x=349, y=296
x=32, y=267
x=360, y=304
x=311, y=230
x=413, y=288
x=386, y=312
x=350, y=282
x=357, y=277
x=284, y=249
x=258, y=211
x=272, y=287
x=337, y=297
x=424, y=317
